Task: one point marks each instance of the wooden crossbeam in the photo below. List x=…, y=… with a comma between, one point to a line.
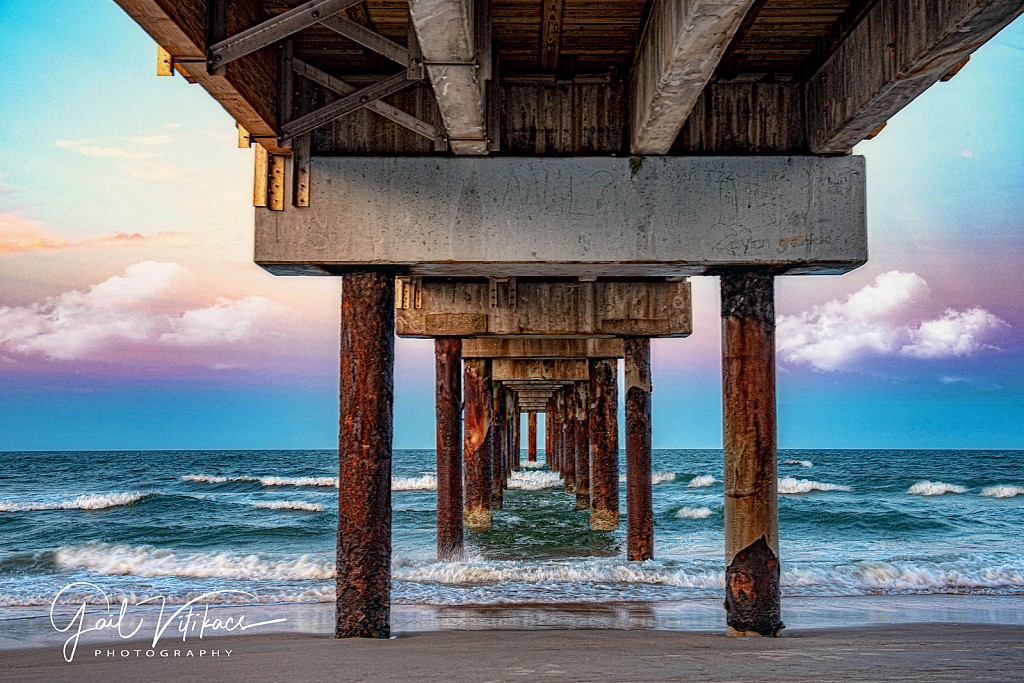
x=272, y=30
x=367, y=38
x=349, y=103
x=382, y=108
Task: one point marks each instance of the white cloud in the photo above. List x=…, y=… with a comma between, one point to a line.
x=94, y=148
x=147, y=305
x=152, y=140
x=877, y=321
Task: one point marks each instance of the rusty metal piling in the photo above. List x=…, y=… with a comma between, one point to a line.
x=639, y=498
x=448, y=405
x=477, y=443
x=363, y=578
x=582, y=446
x=604, y=446
x=531, y=436
x=751, y=488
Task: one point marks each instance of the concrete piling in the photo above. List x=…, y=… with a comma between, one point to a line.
x=639, y=498
x=362, y=604
x=604, y=446
x=477, y=443
x=751, y=487
x=582, y=447
x=448, y=403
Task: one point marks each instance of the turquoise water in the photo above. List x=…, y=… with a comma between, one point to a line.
x=183, y=523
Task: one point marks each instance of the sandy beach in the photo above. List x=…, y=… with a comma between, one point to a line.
x=933, y=652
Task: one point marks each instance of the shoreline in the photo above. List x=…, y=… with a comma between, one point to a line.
x=934, y=652
x=685, y=616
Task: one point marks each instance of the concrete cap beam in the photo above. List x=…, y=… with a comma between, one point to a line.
x=542, y=348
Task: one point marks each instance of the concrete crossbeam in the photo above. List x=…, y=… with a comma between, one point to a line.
x=542, y=348
x=570, y=217
x=550, y=309
x=527, y=369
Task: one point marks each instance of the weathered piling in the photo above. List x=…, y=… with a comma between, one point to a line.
x=531, y=436
x=364, y=456
x=569, y=441
x=751, y=488
x=639, y=498
x=549, y=441
x=448, y=404
x=497, y=445
x=604, y=446
x=477, y=443
x=511, y=426
x=582, y=446
x=516, y=435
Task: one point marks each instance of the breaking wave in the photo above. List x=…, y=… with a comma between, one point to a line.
x=87, y=502
x=693, y=513
x=536, y=465
x=802, y=463
x=533, y=481
x=701, y=481
x=662, y=477
x=290, y=505
x=1003, y=491
x=146, y=560
x=791, y=486
x=934, y=488
x=427, y=482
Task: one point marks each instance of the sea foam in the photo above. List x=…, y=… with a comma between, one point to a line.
x=146, y=560
x=662, y=477
x=289, y=505
x=802, y=463
x=702, y=481
x=792, y=486
x=86, y=502
x=427, y=482
x=533, y=481
x=934, y=488
x=693, y=513
x=1003, y=491
x=535, y=465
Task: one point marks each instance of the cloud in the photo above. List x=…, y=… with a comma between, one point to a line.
x=152, y=140
x=146, y=307
x=877, y=320
x=20, y=236
x=91, y=147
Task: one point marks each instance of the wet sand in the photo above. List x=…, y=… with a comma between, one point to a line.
x=933, y=652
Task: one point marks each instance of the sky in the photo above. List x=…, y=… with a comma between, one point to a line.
x=132, y=316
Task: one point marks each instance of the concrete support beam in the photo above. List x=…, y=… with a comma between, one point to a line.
x=896, y=52
x=639, y=496
x=675, y=58
x=751, y=485
x=582, y=446
x=446, y=32
x=544, y=308
x=572, y=216
x=604, y=445
x=525, y=369
x=477, y=416
x=448, y=405
x=542, y=348
x=363, y=578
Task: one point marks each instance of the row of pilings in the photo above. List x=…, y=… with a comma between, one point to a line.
x=364, y=488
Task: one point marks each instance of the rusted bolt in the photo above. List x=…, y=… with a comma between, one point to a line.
x=364, y=99
x=315, y=14
x=678, y=302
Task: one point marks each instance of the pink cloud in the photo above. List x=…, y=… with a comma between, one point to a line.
x=150, y=307
x=879, y=320
x=20, y=236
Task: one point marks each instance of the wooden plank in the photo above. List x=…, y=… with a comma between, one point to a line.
x=259, y=184
x=164, y=63
x=275, y=183
x=674, y=60
x=243, y=136
x=865, y=82
x=361, y=15
x=551, y=33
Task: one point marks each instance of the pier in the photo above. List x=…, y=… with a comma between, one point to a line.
x=531, y=186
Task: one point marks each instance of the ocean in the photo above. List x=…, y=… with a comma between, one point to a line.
x=853, y=523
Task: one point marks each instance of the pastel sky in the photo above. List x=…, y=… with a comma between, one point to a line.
x=132, y=317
